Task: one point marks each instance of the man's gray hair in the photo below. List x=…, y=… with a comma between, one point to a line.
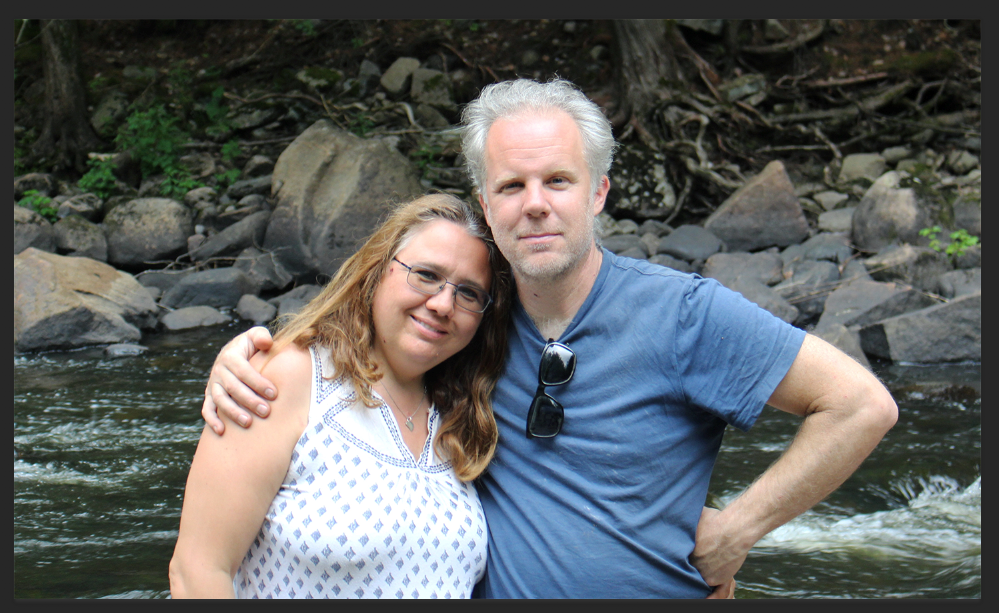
x=510, y=98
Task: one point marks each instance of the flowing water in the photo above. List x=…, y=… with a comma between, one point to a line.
x=102, y=446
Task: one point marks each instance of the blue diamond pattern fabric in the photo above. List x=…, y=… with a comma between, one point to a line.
x=357, y=515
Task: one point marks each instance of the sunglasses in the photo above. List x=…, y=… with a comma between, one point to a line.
x=558, y=363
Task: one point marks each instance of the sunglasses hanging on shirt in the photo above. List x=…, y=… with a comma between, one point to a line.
x=558, y=363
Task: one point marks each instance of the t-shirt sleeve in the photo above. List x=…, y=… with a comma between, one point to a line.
x=730, y=353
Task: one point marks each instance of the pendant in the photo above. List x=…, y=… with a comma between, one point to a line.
x=409, y=423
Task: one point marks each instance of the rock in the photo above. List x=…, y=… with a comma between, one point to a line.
x=334, y=189
x=844, y=339
x=637, y=252
x=650, y=243
x=193, y=317
x=655, y=227
x=968, y=216
x=258, y=166
x=146, y=230
x=640, y=186
x=834, y=247
x=670, y=262
x=112, y=108
x=32, y=230
x=430, y=118
x=839, y=220
x=368, y=74
x=219, y=287
x=396, y=79
x=742, y=87
x=194, y=241
x=961, y=162
x=256, y=310
x=690, y=243
x=957, y=283
x=434, y=88
x=808, y=289
x=763, y=213
x=949, y=332
x=246, y=120
x=290, y=302
x=855, y=270
x=893, y=155
x=917, y=266
x=971, y=258
x=41, y=182
x=76, y=236
x=200, y=194
x=200, y=164
x=249, y=232
x=623, y=242
x=727, y=268
x=63, y=302
x=868, y=166
x=88, y=206
x=887, y=214
x=257, y=185
x=163, y=279
x=124, y=350
x=829, y=200
x=862, y=302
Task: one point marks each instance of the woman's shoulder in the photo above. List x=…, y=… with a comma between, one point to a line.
x=290, y=363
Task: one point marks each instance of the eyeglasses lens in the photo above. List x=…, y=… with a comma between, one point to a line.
x=546, y=416
x=558, y=363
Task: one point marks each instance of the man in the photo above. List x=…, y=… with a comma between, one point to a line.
x=601, y=494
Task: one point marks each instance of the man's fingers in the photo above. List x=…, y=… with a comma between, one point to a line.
x=210, y=414
x=725, y=590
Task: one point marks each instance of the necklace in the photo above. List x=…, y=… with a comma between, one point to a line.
x=409, y=419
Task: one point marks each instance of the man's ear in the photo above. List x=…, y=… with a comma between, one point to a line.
x=600, y=197
x=485, y=207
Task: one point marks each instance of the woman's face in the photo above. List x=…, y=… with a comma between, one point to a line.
x=413, y=331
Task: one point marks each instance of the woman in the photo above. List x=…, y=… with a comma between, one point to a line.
x=358, y=484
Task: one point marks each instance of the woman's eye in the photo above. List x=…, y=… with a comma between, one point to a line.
x=427, y=275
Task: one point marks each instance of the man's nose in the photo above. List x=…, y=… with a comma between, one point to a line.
x=535, y=200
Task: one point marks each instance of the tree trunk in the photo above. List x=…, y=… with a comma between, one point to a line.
x=67, y=135
x=647, y=67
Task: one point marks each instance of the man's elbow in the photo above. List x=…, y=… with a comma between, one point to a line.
x=881, y=412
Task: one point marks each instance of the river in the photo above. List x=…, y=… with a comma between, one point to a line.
x=102, y=446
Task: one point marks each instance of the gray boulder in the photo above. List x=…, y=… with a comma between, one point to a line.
x=829, y=200
x=258, y=166
x=432, y=87
x=808, y=289
x=32, y=230
x=292, y=301
x=839, y=220
x=256, y=185
x=765, y=212
x=763, y=267
x=200, y=195
x=868, y=166
x=863, y=302
x=690, y=243
x=64, y=302
x=147, y=230
x=234, y=239
x=219, y=287
x=671, y=262
x=194, y=317
x=623, y=242
x=263, y=268
x=163, y=280
x=888, y=214
x=255, y=309
x=41, y=182
x=917, y=266
x=845, y=339
x=957, y=283
x=968, y=216
x=76, y=236
x=834, y=247
x=89, y=206
x=334, y=189
x=396, y=79
x=949, y=332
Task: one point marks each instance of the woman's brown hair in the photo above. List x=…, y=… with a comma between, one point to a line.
x=340, y=318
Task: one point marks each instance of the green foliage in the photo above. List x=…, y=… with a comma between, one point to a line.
x=218, y=114
x=361, y=124
x=39, y=203
x=231, y=150
x=305, y=26
x=100, y=179
x=227, y=177
x=177, y=183
x=960, y=241
x=154, y=138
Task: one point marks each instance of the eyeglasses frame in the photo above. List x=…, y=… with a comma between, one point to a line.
x=454, y=295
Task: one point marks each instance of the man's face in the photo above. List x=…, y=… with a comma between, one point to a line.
x=537, y=196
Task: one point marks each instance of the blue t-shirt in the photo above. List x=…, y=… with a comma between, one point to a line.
x=609, y=507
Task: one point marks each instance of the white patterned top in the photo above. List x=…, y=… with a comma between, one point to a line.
x=358, y=517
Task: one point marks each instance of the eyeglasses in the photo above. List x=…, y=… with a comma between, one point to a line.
x=558, y=363
x=431, y=283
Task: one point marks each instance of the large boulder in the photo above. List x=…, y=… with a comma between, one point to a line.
x=193, y=317
x=65, y=302
x=918, y=266
x=263, y=268
x=32, y=230
x=862, y=302
x=332, y=189
x=888, y=214
x=229, y=242
x=950, y=332
x=146, y=230
x=809, y=287
x=764, y=212
x=689, y=242
x=764, y=267
x=219, y=287
x=76, y=236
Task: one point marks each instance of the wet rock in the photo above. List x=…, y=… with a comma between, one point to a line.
x=32, y=230
x=916, y=266
x=124, y=350
x=763, y=213
x=888, y=214
x=334, y=189
x=64, y=302
x=146, y=230
x=75, y=236
x=640, y=187
x=255, y=309
x=88, y=206
x=229, y=242
x=219, y=287
x=689, y=243
x=950, y=332
x=194, y=317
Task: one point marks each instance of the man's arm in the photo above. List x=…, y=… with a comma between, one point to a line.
x=846, y=413
x=234, y=386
